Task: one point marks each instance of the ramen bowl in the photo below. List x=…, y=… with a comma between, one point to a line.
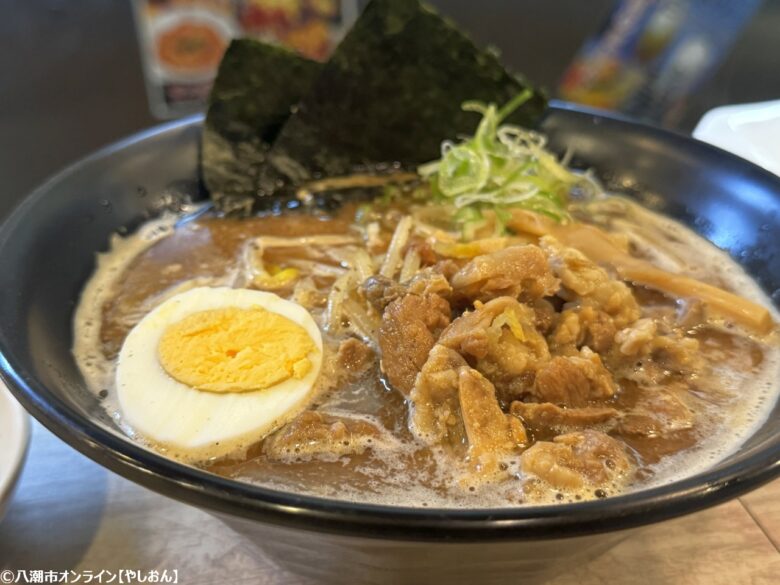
x=48, y=250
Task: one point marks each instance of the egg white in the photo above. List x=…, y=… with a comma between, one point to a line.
x=196, y=424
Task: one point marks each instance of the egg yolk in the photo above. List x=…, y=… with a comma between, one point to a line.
x=235, y=350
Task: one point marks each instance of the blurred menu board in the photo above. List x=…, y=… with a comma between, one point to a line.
x=651, y=56
x=182, y=41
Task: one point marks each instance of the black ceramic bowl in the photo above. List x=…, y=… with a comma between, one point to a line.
x=47, y=251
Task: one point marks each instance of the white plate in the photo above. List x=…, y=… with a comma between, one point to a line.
x=14, y=438
x=751, y=131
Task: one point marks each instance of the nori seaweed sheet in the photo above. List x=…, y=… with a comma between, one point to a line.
x=254, y=92
x=391, y=93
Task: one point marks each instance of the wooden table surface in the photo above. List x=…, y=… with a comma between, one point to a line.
x=71, y=514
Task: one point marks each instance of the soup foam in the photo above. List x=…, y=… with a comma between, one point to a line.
x=753, y=394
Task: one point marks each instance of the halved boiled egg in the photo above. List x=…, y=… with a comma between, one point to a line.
x=214, y=369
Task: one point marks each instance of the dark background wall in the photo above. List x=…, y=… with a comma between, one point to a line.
x=71, y=80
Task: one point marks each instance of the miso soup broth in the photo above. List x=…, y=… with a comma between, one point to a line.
x=486, y=369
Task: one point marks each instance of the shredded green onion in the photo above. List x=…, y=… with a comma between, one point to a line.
x=502, y=166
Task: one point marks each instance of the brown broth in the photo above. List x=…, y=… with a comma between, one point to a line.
x=210, y=249
x=206, y=248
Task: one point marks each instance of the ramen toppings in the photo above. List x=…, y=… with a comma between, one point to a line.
x=511, y=369
x=415, y=314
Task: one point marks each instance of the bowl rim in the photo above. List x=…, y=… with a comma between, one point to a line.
x=225, y=496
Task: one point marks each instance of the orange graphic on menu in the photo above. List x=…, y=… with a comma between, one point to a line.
x=190, y=47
